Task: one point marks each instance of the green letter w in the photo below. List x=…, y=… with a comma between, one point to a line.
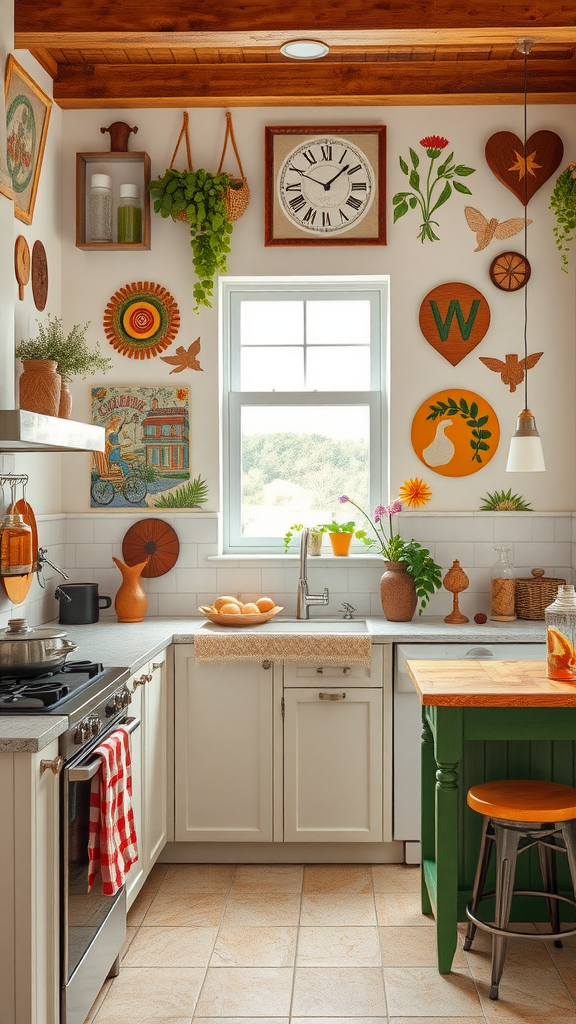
x=454, y=307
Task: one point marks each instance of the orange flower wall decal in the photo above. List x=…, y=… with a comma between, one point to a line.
x=414, y=492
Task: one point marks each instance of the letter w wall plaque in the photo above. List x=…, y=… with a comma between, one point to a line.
x=454, y=318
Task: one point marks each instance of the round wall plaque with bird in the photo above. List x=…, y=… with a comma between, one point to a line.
x=455, y=432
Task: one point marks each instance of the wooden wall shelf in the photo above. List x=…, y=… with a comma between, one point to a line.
x=122, y=167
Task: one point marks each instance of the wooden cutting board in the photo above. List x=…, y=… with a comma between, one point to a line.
x=21, y=264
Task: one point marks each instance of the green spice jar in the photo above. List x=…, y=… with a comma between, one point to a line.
x=129, y=214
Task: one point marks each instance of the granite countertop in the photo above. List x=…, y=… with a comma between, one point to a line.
x=131, y=645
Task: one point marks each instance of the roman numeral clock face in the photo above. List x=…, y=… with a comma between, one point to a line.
x=326, y=186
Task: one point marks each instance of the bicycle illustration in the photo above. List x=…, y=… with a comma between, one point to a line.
x=111, y=480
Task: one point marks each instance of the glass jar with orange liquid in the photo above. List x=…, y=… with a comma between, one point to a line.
x=561, y=635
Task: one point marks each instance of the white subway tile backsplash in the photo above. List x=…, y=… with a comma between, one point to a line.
x=70, y=556
x=272, y=579
x=177, y=605
x=542, y=554
x=484, y=554
x=112, y=528
x=365, y=580
x=446, y=553
x=563, y=528
x=192, y=580
x=191, y=530
x=235, y=581
x=543, y=528
x=187, y=556
x=204, y=551
x=94, y=555
x=80, y=531
x=510, y=527
x=165, y=584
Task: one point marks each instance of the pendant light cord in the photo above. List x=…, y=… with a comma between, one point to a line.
x=526, y=49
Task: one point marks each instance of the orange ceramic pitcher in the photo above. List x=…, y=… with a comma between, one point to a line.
x=131, y=601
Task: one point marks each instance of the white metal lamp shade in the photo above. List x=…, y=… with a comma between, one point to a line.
x=525, y=454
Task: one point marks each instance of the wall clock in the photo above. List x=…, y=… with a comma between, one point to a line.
x=326, y=185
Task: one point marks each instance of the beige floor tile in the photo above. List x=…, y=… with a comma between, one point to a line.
x=396, y=878
x=149, y=1020
x=141, y=993
x=240, y=1020
x=260, y=878
x=245, y=946
x=187, y=910
x=529, y=991
x=198, y=878
x=171, y=947
x=338, y=991
x=246, y=992
x=338, y=1020
x=262, y=909
x=403, y=910
x=155, y=878
x=338, y=947
x=130, y=934
x=422, y=992
x=413, y=947
x=438, y=1020
x=344, y=878
x=327, y=909
x=138, y=909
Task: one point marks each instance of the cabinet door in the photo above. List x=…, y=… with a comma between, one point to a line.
x=137, y=873
x=155, y=771
x=333, y=765
x=223, y=748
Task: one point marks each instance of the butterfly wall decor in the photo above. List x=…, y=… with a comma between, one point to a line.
x=512, y=369
x=184, y=359
x=485, y=230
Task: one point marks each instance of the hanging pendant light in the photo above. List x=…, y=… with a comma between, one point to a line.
x=525, y=454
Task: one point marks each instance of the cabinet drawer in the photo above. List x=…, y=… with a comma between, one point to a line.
x=334, y=675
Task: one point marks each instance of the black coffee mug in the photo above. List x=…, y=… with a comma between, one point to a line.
x=80, y=603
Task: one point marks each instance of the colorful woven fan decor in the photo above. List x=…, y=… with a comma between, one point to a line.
x=141, y=320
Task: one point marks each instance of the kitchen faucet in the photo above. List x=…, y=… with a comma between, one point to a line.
x=304, y=599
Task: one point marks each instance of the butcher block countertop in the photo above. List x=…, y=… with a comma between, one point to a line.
x=488, y=684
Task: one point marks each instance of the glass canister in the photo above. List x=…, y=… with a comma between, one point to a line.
x=16, y=556
x=101, y=208
x=129, y=214
x=561, y=635
x=503, y=587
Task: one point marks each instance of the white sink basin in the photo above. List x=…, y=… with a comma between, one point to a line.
x=288, y=625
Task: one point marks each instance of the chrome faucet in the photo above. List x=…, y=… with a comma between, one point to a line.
x=304, y=599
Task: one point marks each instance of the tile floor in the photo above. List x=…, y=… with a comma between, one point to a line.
x=321, y=944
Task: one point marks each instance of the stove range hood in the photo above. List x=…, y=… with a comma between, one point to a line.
x=23, y=431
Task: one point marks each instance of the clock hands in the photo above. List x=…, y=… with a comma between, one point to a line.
x=328, y=183
x=325, y=184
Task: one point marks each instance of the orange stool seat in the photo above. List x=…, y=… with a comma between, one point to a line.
x=524, y=800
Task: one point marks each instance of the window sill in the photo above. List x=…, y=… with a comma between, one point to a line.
x=360, y=558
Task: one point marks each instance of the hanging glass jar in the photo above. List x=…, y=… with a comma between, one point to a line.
x=503, y=587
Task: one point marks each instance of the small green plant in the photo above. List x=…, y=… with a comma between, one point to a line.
x=504, y=501
x=335, y=527
x=190, y=495
x=563, y=202
x=70, y=351
x=200, y=195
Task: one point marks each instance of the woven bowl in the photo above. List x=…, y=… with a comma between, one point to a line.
x=239, y=620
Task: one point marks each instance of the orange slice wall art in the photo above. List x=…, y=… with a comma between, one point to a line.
x=455, y=432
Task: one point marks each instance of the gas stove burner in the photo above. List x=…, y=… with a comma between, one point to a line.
x=48, y=689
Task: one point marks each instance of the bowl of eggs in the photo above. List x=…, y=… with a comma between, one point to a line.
x=229, y=611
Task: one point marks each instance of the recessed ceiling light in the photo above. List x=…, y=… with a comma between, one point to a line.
x=304, y=49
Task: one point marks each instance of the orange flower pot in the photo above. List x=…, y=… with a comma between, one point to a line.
x=340, y=543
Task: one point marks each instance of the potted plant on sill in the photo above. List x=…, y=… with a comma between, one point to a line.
x=411, y=572
x=50, y=362
x=314, y=537
x=340, y=536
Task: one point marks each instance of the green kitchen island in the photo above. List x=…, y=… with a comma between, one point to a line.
x=481, y=721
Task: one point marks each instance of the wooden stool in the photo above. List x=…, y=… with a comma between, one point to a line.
x=514, y=810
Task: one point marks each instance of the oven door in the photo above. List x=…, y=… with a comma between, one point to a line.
x=93, y=926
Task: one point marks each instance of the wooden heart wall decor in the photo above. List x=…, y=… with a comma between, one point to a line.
x=454, y=318
x=524, y=169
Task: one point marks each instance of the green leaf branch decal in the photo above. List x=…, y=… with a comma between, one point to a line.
x=451, y=407
x=429, y=194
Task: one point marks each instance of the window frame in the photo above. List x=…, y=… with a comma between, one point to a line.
x=232, y=291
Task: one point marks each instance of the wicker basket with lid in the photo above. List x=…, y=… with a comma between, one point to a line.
x=535, y=593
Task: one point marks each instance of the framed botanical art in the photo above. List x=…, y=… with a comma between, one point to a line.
x=326, y=185
x=27, y=116
x=5, y=179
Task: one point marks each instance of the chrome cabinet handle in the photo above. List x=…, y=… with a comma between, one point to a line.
x=54, y=766
x=87, y=771
x=143, y=679
x=332, y=696
x=156, y=665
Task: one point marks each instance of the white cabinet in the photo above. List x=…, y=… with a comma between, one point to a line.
x=135, y=878
x=223, y=750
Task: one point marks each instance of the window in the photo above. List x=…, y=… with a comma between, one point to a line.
x=304, y=410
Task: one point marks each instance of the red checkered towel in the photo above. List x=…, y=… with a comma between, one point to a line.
x=112, y=842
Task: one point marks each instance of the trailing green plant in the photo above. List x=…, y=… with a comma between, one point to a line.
x=200, y=195
x=504, y=501
x=563, y=202
x=477, y=423
x=190, y=495
x=296, y=528
x=69, y=350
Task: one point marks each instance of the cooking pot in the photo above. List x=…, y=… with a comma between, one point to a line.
x=29, y=652
x=80, y=603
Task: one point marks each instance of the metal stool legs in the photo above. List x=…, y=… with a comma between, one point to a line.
x=480, y=878
x=547, y=860
x=506, y=853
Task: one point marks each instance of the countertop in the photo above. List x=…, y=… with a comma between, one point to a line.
x=489, y=684
x=133, y=644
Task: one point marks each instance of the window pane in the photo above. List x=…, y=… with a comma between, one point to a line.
x=297, y=461
x=333, y=322
x=338, y=368
x=271, y=323
x=272, y=369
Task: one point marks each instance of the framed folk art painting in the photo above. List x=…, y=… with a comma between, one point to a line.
x=27, y=116
x=326, y=185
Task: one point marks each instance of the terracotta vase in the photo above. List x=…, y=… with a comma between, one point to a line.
x=40, y=387
x=65, y=407
x=131, y=601
x=397, y=593
x=340, y=543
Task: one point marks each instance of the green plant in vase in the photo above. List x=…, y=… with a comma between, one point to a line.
x=505, y=501
x=563, y=202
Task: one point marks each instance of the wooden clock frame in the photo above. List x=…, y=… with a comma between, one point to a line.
x=273, y=233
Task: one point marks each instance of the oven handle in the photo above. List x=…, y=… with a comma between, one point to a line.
x=89, y=770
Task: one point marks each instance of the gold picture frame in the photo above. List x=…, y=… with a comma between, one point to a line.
x=27, y=116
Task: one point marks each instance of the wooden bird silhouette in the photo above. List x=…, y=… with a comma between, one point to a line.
x=184, y=358
x=512, y=370
x=486, y=230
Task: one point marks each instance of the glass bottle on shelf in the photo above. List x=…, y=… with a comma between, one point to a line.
x=16, y=558
x=503, y=587
x=101, y=208
x=129, y=214
x=561, y=635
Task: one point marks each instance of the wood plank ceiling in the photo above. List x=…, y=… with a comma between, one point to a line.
x=174, y=53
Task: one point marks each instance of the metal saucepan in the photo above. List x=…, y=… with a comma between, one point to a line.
x=29, y=652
